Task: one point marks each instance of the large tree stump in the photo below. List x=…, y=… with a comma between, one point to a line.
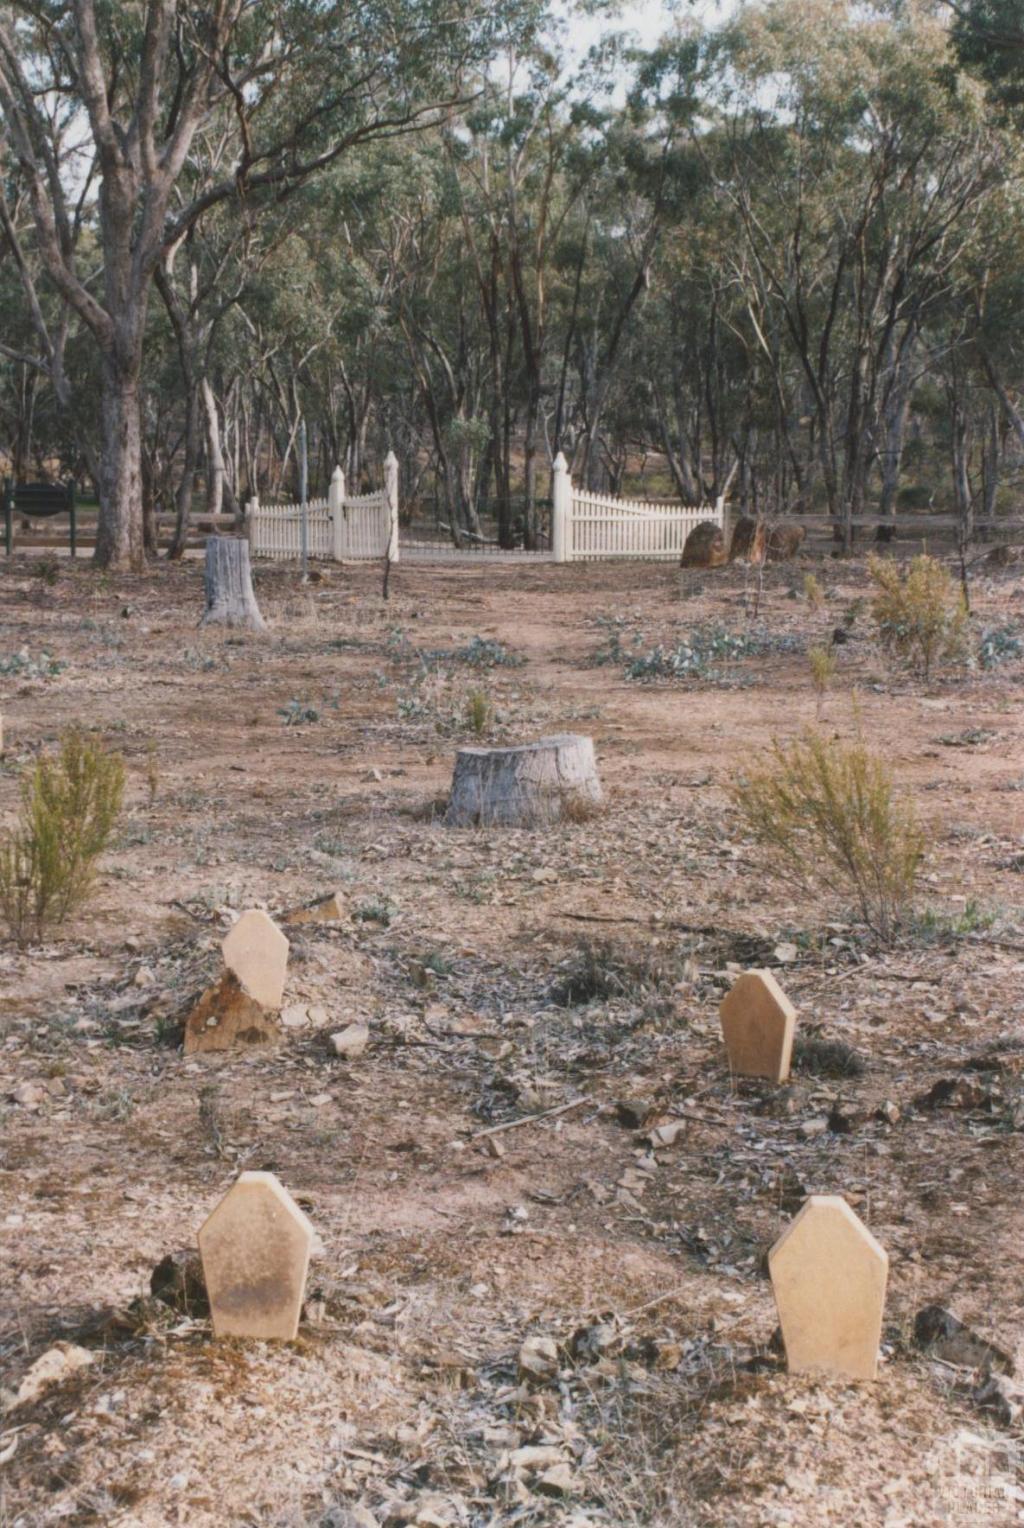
x=526, y=787
x=230, y=600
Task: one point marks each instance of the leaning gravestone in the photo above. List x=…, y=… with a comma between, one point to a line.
x=255, y=1249
x=829, y=1276
x=241, y=1007
x=758, y=1021
x=535, y=785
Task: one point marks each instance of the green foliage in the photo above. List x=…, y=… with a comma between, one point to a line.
x=478, y=712
x=701, y=651
x=826, y=815
x=813, y=592
x=999, y=644
x=297, y=713
x=48, y=862
x=21, y=665
x=919, y=613
x=823, y=667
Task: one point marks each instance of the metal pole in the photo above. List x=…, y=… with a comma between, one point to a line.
x=303, y=496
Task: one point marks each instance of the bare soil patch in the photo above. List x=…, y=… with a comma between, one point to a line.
x=503, y=973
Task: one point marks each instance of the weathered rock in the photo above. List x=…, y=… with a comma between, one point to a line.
x=351, y=1041
x=705, y=546
x=557, y=1480
x=748, y=540
x=227, y=1016
x=758, y=1022
x=945, y=1336
x=829, y=1276
x=255, y=1248
x=783, y=541
x=177, y=1281
x=325, y=909
x=257, y=952
x=888, y=1111
x=538, y=1358
x=633, y=1112
x=535, y=785
x=1001, y=1397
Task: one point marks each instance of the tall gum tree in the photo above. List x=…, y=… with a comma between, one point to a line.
x=298, y=84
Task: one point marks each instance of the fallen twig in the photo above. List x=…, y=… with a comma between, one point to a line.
x=529, y=1119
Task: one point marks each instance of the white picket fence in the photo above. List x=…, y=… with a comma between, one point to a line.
x=591, y=527
x=342, y=527
x=585, y=527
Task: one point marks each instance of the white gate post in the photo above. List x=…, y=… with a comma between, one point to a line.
x=252, y=510
x=723, y=516
x=335, y=498
x=391, y=498
x=561, y=510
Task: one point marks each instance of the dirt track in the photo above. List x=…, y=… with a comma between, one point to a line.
x=401, y=1398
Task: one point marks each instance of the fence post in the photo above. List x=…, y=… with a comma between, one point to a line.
x=724, y=517
x=391, y=498
x=252, y=510
x=336, y=504
x=561, y=510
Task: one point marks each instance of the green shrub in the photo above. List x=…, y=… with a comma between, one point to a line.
x=826, y=815
x=48, y=862
x=823, y=668
x=478, y=712
x=919, y=613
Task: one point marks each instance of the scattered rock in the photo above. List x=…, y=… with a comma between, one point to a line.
x=945, y=1336
x=705, y=546
x=144, y=977
x=1001, y=1397
x=633, y=1112
x=556, y=1481
x=54, y=1366
x=888, y=1111
x=225, y=1016
x=811, y=1128
x=955, y=1093
x=294, y=1016
x=845, y=1118
x=667, y=1134
x=31, y=1095
x=177, y=1281
x=351, y=1042
x=538, y=1358
x=330, y=908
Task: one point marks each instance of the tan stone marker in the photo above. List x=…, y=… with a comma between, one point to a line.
x=255, y=1249
x=327, y=909
x=256, y=952
x=757, y=1025
x=241, y=1006
x=829, y=1277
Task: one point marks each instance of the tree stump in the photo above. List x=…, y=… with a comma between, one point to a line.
x=230, y=600
x=527, y=787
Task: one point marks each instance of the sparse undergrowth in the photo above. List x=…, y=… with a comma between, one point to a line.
x=919, y=614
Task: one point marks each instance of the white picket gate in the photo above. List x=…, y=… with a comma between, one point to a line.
x=343, y=527
x=590, y=527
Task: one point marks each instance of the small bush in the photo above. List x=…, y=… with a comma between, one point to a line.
x=478, y=712
x=813, y=592
x=823, y=669
x=1000, y=644
x=919, y=614
x=827, y=816
x=48, y=863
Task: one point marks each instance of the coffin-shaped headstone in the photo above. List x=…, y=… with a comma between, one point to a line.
x=758, y=1021
x=255, y=1248
x=829, y=1276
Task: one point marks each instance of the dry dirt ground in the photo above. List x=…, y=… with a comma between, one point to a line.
x=503, y=974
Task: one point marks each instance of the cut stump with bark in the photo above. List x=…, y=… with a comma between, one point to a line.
x=230, y=600
x=534, y=785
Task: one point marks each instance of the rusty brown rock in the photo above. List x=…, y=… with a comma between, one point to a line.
x=783, y=541
x=705, y=547
x=226, y=1016
x=326, y=909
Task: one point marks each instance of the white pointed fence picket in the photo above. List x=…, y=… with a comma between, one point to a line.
x=344, y=527
x=585, y=527
x=590, y=527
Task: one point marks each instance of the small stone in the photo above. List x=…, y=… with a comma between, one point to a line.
x=811, y=1128
x=667, y=1134
x=945, y=1336
x=829, y=1276
x=29, y=1094
x=556, y=1481
x=545, y=876
x=256, y=952
x=632, y=1112
x=294, y=1016
x=351, y=1042
x=889, y=1112
x=538, y=1358
x=255, y=1248
x=758, y=1022
x=494, y=1147
x=326, y=909
x=1001, y=1397
x=144, y=977
x=786, y=953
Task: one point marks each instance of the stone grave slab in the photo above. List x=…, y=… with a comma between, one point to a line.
x=758, y=1022
x=255, y=1248
x=829, y=1275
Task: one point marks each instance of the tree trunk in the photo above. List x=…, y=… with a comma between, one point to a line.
x=214, y=452
x=230, y=600
x=532, y=786
x=119, y=532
